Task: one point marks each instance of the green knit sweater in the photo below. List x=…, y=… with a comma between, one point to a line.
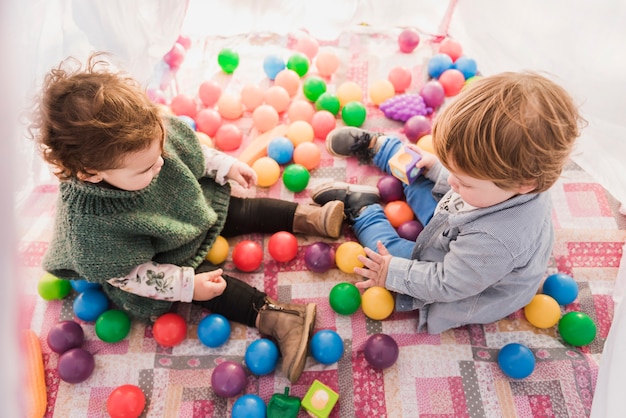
x=102, y=233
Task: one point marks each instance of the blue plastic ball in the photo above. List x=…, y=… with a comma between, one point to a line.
x=261, y=357
x=81, y=285
x=213, y=330
x=280, y=149
x=272, y=65
x=189, y=121
x=467, y=66
x=438, y=64
x=561, y=287
x=90, y=304
x=516, y=360
x=326, y=346
x=249, y=406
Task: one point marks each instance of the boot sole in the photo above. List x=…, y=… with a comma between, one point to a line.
x=354, y=188
x=300, y=360
x=335, y=220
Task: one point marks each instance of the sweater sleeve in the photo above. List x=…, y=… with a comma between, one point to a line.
x=158, y=281
x=217, y=164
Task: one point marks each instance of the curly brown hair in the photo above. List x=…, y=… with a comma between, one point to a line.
x=89, y=118
x=513, y=129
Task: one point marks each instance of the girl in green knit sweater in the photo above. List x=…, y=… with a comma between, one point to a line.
x=141, y=202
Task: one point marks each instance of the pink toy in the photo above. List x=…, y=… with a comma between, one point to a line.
x=432, y=93
x=452, y=81
x=408, y=40
x=228, y=137
x=417, y=127
x=175, y=56
x=402, y=165
x=401, y=78
x=323, y=122
x=209, y=92
x=208, y=121
x=183, y=104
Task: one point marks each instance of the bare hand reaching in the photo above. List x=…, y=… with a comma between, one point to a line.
x=377, y=265
x=208, y=285
x=243, y=174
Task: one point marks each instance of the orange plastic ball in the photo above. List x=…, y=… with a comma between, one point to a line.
x=289, y=80
x=451, y=48
x=381, y=90
x=251, y=96
x=323, y=122
x=219, y=251
x=209, y=92
x=401, y=78
x=426, y=143
x=300, y=110
x=377, y=303
x=398, y=212
x=327, y=63
x=229, y=106
x=228, y=137
x=184, y=105
x=307, y=154
x=267, y=171
x=349, y=91
x=277, y=97
x=543, y=311
x=346, y=256
x=299, y=132
x=264, y=118
x=452, y=81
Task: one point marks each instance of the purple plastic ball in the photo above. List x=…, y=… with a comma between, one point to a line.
x=433, y=94
x=64, y=336
x=75, y=365
x=416, y=127
x=228, y=379
x=381, y=351
x=410, y=230
x=390, y=188
x=319, y=257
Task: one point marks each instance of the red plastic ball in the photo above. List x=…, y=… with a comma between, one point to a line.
x=452, y=81
x=283, y=246
x=208, y=121
x=183, y=104
x=228, y=137
x=398, y=212
x=323, y=122
x=209, y=92
x=126, y=401
x=169, y=329
x=247, y=256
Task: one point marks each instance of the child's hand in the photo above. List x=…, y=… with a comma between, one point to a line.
x=377, y=265
x=428, y=159
x=243, y=174
x=208, y=285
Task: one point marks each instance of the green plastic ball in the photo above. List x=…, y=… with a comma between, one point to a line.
x=577, y=328
x=329, y=102
x=345, y=298
x=112, y=326
x=228, y=60
x=353, y=113
x=51, y=287
x=313, y=88
x=296, y=177
x=298, y=63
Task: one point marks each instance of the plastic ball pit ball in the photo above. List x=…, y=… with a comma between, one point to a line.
x=408, y=40
x=433, y=94
x=283, y=246
x=410, y=230
x=51, y=287
x=64, y=336
x=219, y=251
x=452, y=82
x=381, y=90
x=347, y=254
x=75, y=365
x=426, y=143
x=272, y=65
x=439, y=63
x=265, y=118
x=213, y=330
x=228, y=137
x=175, y=56
x=247, y=256
x=112, y=326
x=319, y=257
x=300, y=110
x=184, y=40
x=353, y=114
x=81, y=285
x=280, y=149
x=308, y=155
x=229, y=106
x=308, y=46
x=296, y=177
x=289, y=80
x=313, y=88
x=299, y=63
x=451, y=48
x=228, y=379
x=249, y=406
x=261, y=357
x=577, y=328
x=326, y=346
x=516, y=361
x=251, y=96
x=90, y=304
x=329, y=102
x=300, y=131
x=183, y=104
x=126, y=401
x=390, y=188
x=561, y=287
x=209, y=92
x=323, y=122
x=401, y=78
x=228, y=60
x=267, y=171
x=204, y=139
x=157, y=96
x=398, y=212
x=327, y=63
x=381, y=351
x=542, y=311
x=377, y=303
x=208, y=121
x=169, y=329
x=349, y=91
x=416, y=127
x=277, y=97
x=467, y=66
x=344, y=298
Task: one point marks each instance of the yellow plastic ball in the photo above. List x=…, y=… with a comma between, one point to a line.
x=219, y=251
x=349, y=91
x=267, y=171
x=377, y=303
x=205, y=139
x=346, y=256
x=543, y=311
x=381, y=90
x=426, y=143
x=299, y=132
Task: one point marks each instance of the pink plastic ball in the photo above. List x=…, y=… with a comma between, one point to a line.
x=175, y=56
x=283, y=246
x=228, y=137
x=451, y=48
x=230, y=106
x=327, y=63
x=208, y=121
x=156, y=95
x=300, y=110
x=289, y=80
x=416, y=127
x=307, y=154
x=410, y=230
x=277, y=97
x=323, y=122
x=184, y=105
x=308, y=46
x=264, y=118
x=433, y=94
x=390, y=188
x=251, y=96
x=452, y=82
x=401, y=78
x=209, y=92
x=408, y=40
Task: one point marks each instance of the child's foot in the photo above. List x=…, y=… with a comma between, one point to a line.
x=349, y=141
x=354, y=197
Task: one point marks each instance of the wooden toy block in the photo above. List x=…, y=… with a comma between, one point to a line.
x=402, y=165
x=319, y=400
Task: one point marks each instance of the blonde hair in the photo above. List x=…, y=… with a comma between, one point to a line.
x=513, y=129
x=90, y=118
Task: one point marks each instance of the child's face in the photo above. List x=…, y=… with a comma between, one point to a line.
x=477, y=192
x=137, y=170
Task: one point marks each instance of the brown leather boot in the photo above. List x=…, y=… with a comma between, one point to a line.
x=322, y=221
x=291, y=325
